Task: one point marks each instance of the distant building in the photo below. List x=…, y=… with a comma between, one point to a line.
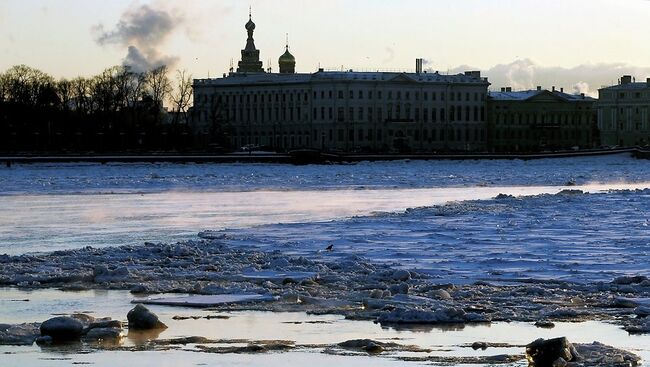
x=536, y=120
x=341, y=110
x=623, y=113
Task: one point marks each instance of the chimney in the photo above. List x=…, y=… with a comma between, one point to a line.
x=539, y=87
x=553, y=89
x=647, y=81
x=418, y=66
x=508, y=89
x=626, y=79
x=561, y=90
x=503, y=89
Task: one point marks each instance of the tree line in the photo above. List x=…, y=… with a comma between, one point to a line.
x=118, y=110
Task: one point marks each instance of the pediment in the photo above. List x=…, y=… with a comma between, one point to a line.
x=401, y=78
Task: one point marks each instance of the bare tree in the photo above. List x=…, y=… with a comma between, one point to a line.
x=81, y=98
x=181, y=96
x=158, y=85
x=65, y=92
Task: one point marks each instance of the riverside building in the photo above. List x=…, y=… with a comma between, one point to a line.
x=341, y=110
x=537, y=120
x=623, y=113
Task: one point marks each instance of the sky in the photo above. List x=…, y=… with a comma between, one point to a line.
x=579, y=45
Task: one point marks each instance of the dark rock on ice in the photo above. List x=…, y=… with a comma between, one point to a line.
x=140, y=318
x=368, y=345
x=109, y=335
x=551, y=352
x=105, y=324
x=44, y=340
x=449, y=315
x=62, y=328
x=401, y=275
x=642, y=311
x=479, y=345
x=102, y=274
x=623, y=302
x=598, y=355
x=22, y=334
x=545, y=324
x=630, y=279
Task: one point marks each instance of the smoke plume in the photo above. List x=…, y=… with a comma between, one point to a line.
x=586, y=78
x=143, y=30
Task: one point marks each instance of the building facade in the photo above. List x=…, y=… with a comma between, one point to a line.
x=341, y=110
x=538, y=120
x=623, y=113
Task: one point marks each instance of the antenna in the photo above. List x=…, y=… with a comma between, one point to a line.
x=287, y=41
x=250, y=12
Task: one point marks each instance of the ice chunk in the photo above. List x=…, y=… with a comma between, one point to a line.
x=207, y=300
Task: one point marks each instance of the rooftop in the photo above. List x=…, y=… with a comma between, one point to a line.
x=628, y=86
x=274, y=78
x=528, y=94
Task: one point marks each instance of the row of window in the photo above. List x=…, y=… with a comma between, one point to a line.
x=532, y=134
x=362, y=135
x=370, y=114
x=533, y=118
x=234, y=97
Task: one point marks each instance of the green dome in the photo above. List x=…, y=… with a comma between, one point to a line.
x=287, y=57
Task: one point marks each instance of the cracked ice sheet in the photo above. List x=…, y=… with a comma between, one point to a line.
x=37, y=223
x=574, y=237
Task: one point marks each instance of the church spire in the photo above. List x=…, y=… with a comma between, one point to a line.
x=250, y=56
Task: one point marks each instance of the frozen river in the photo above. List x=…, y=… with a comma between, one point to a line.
x=443, y=218
x=54, y=207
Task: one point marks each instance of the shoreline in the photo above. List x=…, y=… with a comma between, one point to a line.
x=307, y=156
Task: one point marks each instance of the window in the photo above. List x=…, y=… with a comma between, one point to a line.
x=340, y=94
x=341, y=115
x=351, y=94
x=360, y=94
x=360, y=114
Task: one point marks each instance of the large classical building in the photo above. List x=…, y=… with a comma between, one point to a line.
x=537, y=120
x=623, y=113
x=341, y=110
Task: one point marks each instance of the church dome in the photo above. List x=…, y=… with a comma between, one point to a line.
x=287, y=62
x=250, y=26
x=287, y=57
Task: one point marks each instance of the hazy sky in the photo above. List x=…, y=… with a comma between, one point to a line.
x=521, y=43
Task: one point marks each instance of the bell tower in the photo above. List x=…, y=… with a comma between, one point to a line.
x=250, y=56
